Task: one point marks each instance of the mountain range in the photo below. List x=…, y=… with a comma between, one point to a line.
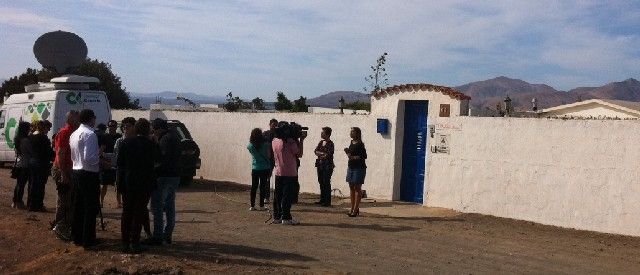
x=488, y=93
x=332, y=99
x=484, y=95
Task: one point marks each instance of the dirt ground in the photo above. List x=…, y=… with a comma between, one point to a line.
x=215, y=233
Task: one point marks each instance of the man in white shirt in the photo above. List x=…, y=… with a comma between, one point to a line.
x=85, y=156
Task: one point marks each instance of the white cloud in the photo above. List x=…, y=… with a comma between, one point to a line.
x=310, y=47
x=27, y=19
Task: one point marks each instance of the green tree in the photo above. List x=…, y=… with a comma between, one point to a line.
x=233, y=103
x=377, y=80
x=283, y=103
x=15, y=85
x=300, y=105
x=258, y=103
x=358, y=105
x=110, y=83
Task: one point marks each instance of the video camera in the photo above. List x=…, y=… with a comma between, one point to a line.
x=292, y=130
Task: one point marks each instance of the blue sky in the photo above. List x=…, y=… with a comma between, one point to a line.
x=255, y=48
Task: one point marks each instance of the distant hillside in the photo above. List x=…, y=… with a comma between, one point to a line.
x=628, y=90
x=331, y=100
x=488, y=93
x=484, y=95
x=169, y=98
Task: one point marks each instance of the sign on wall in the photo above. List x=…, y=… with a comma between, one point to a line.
x=443, y=143
x=445, y=110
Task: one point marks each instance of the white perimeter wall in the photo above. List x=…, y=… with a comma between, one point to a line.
x=223, y=138
x=580, y=174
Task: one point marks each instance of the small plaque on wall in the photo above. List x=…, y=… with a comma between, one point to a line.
x=443, y=144
x=445, y=110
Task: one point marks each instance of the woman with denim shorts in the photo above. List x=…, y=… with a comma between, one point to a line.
x=356, y=170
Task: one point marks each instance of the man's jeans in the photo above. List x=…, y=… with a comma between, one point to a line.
x=163, y=200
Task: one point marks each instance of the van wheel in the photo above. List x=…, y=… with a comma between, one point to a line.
x=186, y=180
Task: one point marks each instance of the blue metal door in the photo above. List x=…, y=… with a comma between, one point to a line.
x=414, y=151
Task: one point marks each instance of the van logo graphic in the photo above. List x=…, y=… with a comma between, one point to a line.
x=39, y=111
x=7, y=132
x=73, y=98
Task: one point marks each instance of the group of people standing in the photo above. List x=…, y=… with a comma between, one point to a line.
x=33, y=163
x=143, y=163
x=276, y=152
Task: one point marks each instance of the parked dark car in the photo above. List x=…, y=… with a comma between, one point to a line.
x=190, y=157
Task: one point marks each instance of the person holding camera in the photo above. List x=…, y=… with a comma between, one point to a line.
x=287, y=148
x=260, y=167
x=357, y=168
x=324, y=164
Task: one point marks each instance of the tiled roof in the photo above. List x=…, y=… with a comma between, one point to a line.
x=422, y=87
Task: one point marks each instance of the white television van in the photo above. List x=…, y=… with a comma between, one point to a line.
x=49, y=101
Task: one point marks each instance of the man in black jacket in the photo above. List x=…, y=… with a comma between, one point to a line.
x=163, y=199
x=136, y=160
x=268, y=136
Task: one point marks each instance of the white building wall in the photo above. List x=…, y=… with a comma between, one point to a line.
x=391, y=107
x=119, y=115
x=592, y=110
x=580, y=174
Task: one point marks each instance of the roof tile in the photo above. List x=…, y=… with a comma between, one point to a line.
x=422, y=86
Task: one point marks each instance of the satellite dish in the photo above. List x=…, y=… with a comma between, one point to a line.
x=60, y=51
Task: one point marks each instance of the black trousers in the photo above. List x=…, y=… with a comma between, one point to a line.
x=268, y=188
x=283, y=197
x=21, y=182
x=259, y=181
x=324, y=179
x=134, y=215
x=37, y=180
x=86, y=206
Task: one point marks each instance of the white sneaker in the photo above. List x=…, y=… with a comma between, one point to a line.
x=276, y=222
x=252, y=208
x=262, y=208
x=290, y=222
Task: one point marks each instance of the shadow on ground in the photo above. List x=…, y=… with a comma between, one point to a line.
x=337, y=210
x=374, y=227
x=213, y=186
x=222, y=253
